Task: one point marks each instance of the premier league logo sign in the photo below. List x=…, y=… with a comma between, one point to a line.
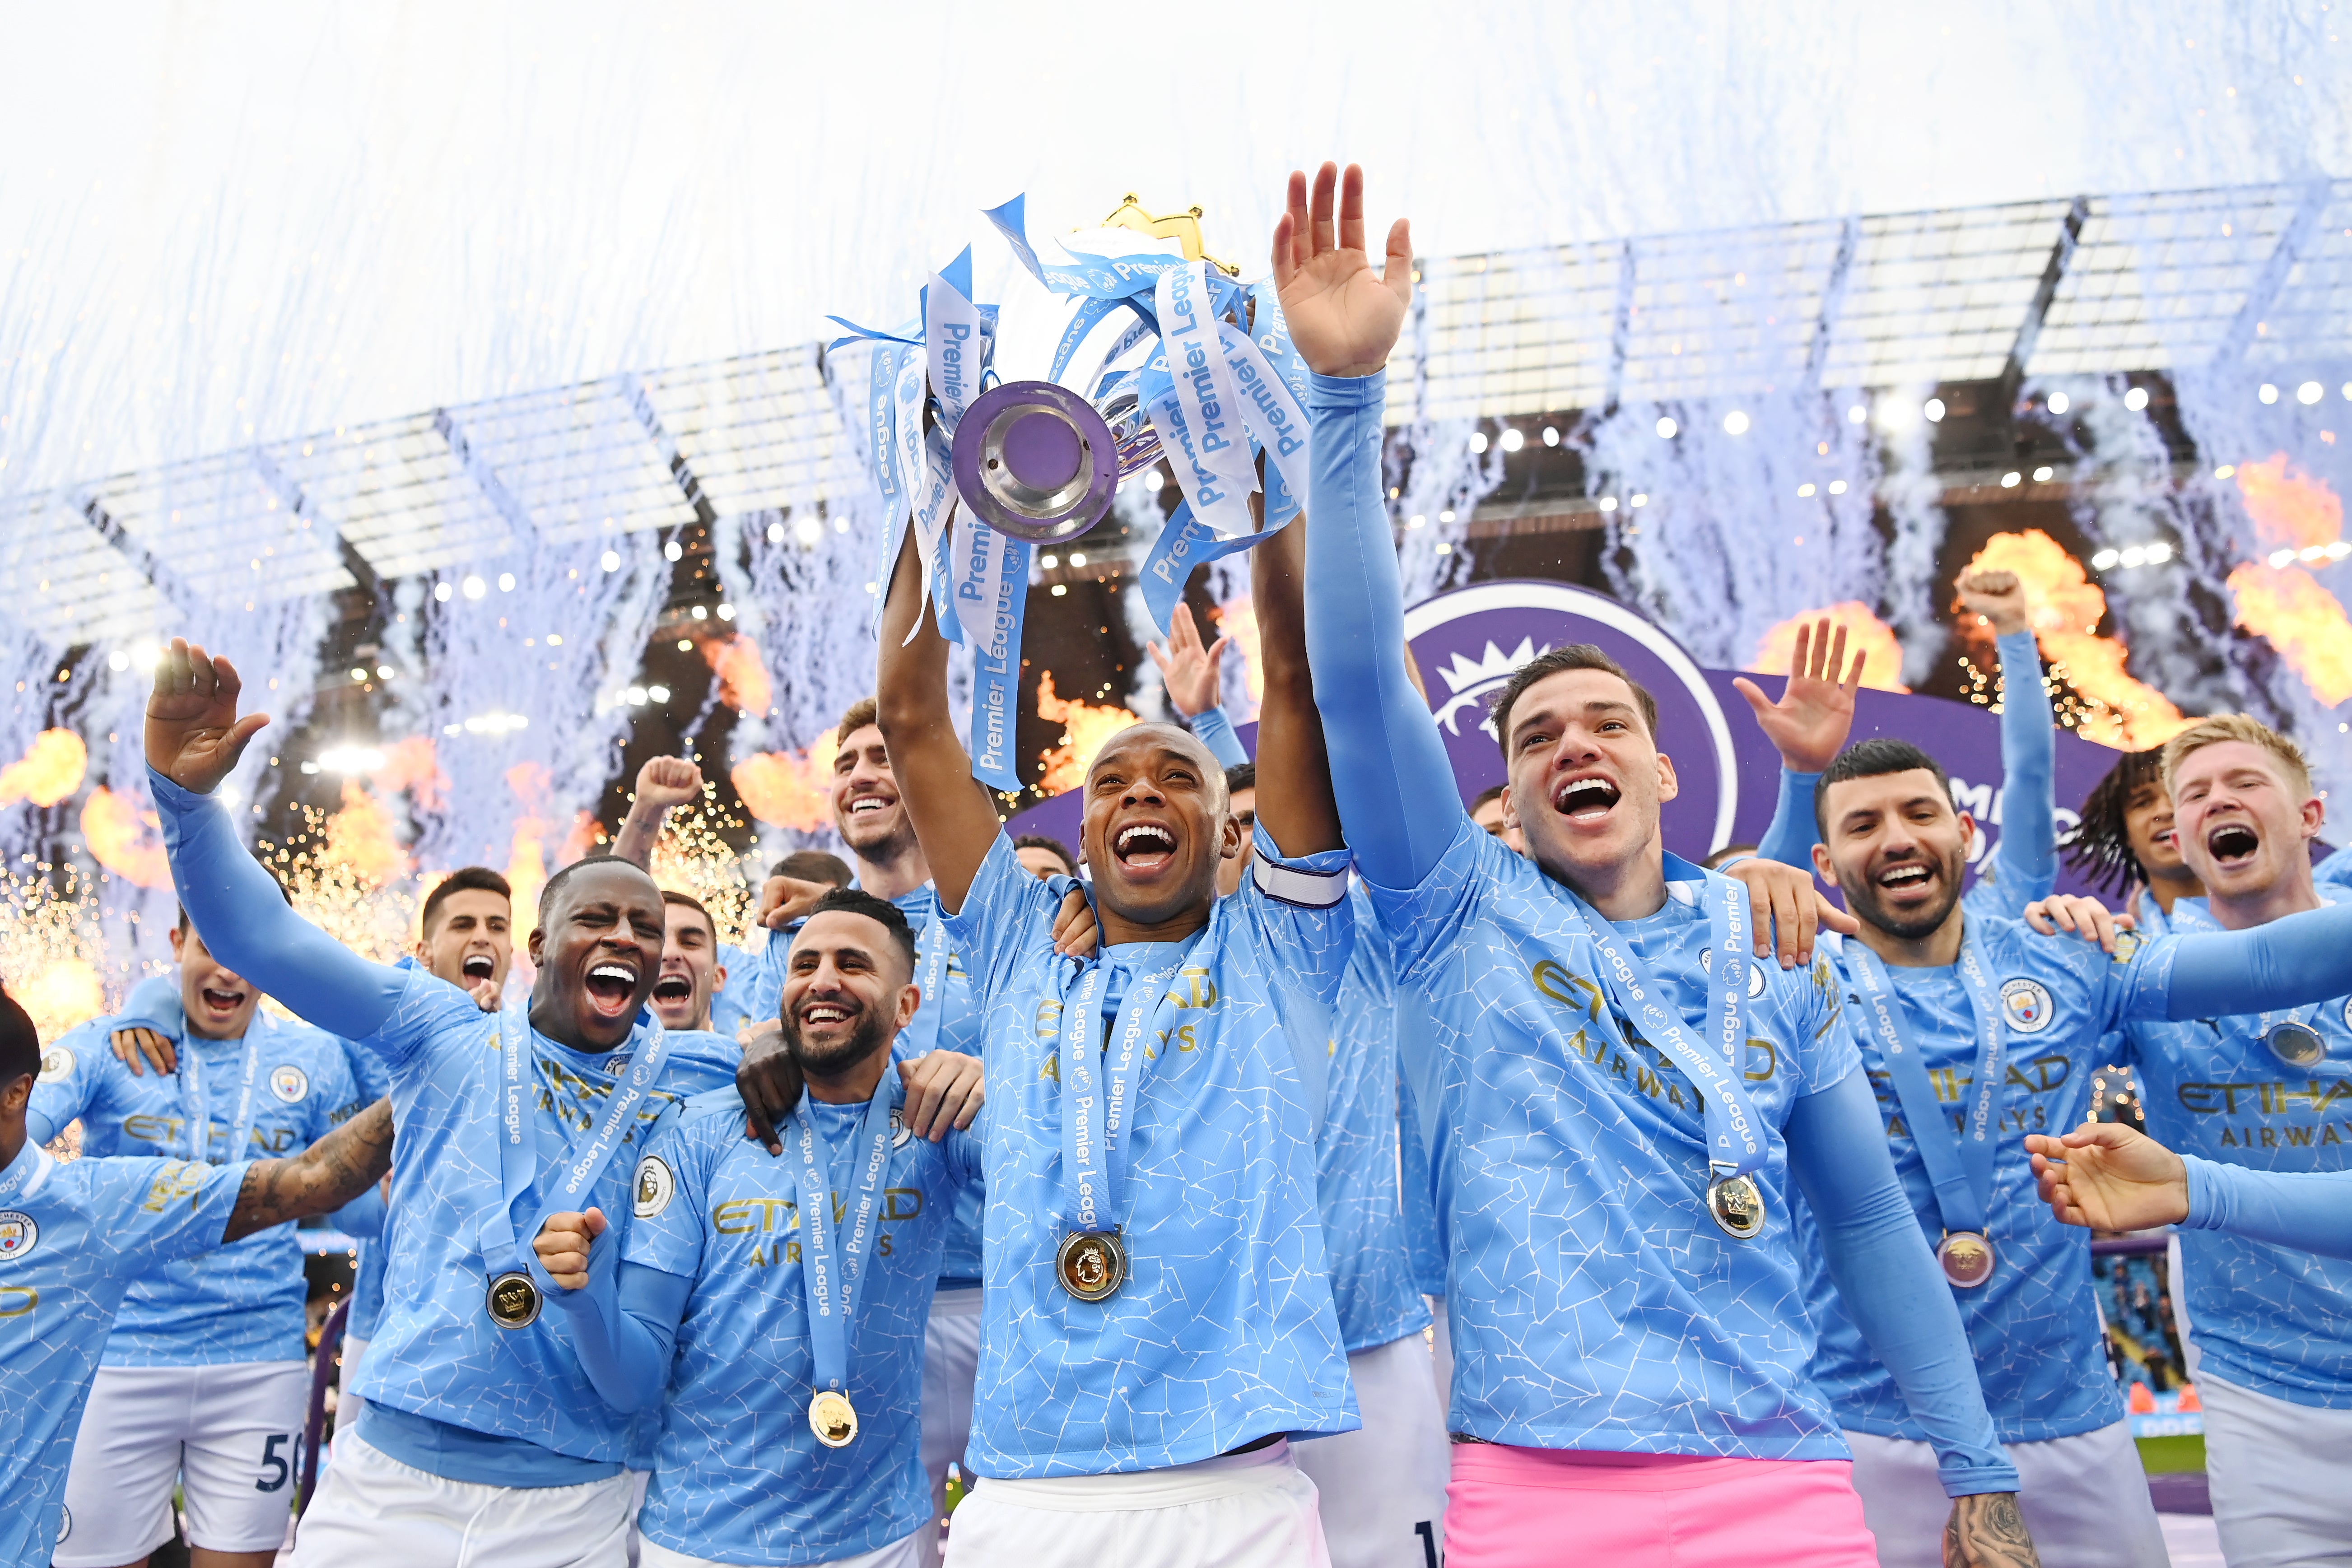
x=1468, y=643
x=18, y=1236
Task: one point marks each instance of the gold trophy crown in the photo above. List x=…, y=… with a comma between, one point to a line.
x=1184, y=228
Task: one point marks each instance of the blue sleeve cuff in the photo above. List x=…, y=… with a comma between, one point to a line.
x=1345, y=391
x=2208, y=1209
x=1791, y=837
x=1213, y=728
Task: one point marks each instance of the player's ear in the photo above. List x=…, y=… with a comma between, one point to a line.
x=1967, y=835
x=1668, y=786
x=910, y=1001
x=537, y=945
x=1824, y=866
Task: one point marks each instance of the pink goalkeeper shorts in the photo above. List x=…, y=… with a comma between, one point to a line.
x=1536, y=1508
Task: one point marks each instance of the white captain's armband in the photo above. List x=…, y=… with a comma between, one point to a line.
x=1308, y=889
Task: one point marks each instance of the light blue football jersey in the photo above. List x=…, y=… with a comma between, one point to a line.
x=73, y=1237
x=436, y=1354
x=1593, y=1302
x=1356, y=1176
x=2041, y=1355
x=2273, y=1319
x=238, y=1303
x=718, y=1209
x=1224, y=1332
x=1424, y=1241
x=959, y=1030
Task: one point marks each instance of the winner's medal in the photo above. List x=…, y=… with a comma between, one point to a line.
x=513, y=1301
x=1091, y=1264
x=833, y=1418
x=1966, y=1259
x=1959, y=1167
x=2297, y=1044
x=1737, y=1205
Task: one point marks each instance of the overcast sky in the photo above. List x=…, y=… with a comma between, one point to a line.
x=220, y=222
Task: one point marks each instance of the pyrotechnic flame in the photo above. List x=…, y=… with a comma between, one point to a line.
x=742, y=677
x=49, y=927
x=789, y=789
x=411, y=765
x=2303, y=621
x=2063, y=608
x=1865, y=634
x=693, y=856
x=2291, y=509
x=49, y=771
x=527, y=852
x=1086, y=726
x=124, y=839
x=360, y=836
x=1238, y=618
x=373, y=918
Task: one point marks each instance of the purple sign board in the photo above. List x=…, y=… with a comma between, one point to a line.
x=1469, y=641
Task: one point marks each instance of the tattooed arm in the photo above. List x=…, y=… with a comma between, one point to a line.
x=323, y=1177
x=1987, y=1531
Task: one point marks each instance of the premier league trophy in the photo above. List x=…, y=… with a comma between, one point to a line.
x=1201, y=376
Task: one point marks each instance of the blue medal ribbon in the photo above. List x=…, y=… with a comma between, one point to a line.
x=1098, y=1097
x=199, y=1101
x=517, y=1134
x=830, y=1281
x=1959, y=1167
x=930, y=975
x=1737, y=1144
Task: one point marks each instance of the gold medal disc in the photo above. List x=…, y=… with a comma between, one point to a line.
x=1737, y=1205
x=1966, y=1259
x=513, y=1301
x=1091, y=1264
x=2297, y=1045
x=833, y=1418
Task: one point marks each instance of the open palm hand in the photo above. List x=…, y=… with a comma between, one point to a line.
x=1344, y=317
x=193, y=735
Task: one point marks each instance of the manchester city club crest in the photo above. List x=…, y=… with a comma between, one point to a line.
x=899, y=1130
x=290, y=1083
x=56, y=1065
x=18, y=1236
x=2026, y=1005
x=1468, y=643
x=654, y=1187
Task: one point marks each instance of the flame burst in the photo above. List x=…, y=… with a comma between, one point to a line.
x=527, y=852
x=2291, y=511
x=49, y=927
x=411, y=765
x=372, y=916
x=124, y=839
x=2064, y=607
x=742, y=676
x=1238, y=618
x=50, y=769
x=2302, y=620
x=1086, y=726
x=360, y=836
x=790, y=789
x=1865, y=634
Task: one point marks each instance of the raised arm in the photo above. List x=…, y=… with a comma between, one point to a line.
x=1294, y=785
x=1192, y=673
x=2028, y=853
x=194, y=739
x=1391, y=781
x=954, y=821
x=662, y=783
x=1807, y=726
x=626, y=1331
x=322, y=1178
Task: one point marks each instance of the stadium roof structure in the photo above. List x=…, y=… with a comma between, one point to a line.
x=2097, y=284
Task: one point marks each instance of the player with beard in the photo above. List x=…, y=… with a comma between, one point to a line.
x=75, y=1234
x=2270, y=1325
x=1810, y=723
x=1157, y=1321
x=1975, y=1029
x=729, y=1248
x=201, y=1384
x=482, y=1438
x=1628, y=1330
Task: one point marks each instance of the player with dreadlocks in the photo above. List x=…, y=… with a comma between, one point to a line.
x=2125, y=841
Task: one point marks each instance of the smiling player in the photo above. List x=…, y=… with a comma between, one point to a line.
x=482, y=1437
x=1623, y=1113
